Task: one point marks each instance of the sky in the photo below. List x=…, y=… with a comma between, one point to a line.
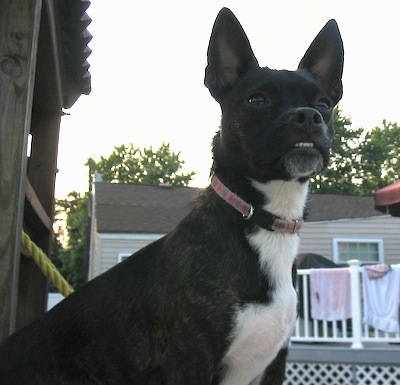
x=147, y=70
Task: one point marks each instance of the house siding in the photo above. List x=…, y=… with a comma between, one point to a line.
x=107, y=248
x=317, y=237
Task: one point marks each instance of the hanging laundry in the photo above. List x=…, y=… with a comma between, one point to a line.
x=330, y=294
x=376, y=271
x=382, y=300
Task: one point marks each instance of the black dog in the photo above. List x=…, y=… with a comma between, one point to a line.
x=213, y=302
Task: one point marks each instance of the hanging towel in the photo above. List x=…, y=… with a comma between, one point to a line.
x=377, y=271
x=330, y=294
x=382, y=300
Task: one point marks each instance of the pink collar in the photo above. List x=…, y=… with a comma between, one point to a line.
x=260, y=217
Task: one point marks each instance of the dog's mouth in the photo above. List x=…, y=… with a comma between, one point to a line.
x=303, y=159
x=298, y=160
x=306, y=148
x=304, y=145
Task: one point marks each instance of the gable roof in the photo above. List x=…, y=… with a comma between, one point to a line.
x=138, y=208
x=330, y=207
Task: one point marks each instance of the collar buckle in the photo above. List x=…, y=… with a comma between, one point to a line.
x=250, y=214
x=295, y=225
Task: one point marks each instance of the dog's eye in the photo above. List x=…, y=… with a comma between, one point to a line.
x=324, y=103
x=256, y=100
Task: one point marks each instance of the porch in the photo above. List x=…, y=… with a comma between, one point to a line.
x=334, y=364
x=344, y=351
x=352, y=331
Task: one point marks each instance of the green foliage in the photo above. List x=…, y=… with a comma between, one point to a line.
x=340, y=177
x=127, y=164
x=379, y=156
x=70, y=258
x=361, y=161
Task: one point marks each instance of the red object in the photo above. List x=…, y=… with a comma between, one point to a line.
x=387, y=199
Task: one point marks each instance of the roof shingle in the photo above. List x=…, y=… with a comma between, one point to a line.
x=329, y=207
x=137, y=208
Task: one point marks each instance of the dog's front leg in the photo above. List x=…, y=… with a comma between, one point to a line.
x=275, y=372
x=186, y=371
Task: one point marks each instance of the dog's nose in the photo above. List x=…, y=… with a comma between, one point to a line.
x=307, y=119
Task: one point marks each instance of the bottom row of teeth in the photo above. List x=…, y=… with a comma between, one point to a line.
x=304, y=144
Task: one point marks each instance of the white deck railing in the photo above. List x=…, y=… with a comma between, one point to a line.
x=351, y=331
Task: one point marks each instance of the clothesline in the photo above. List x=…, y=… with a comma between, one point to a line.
x=330, y=295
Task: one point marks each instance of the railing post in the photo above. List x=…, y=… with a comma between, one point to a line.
x=355, y=304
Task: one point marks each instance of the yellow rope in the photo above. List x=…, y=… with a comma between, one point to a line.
x=46, y=266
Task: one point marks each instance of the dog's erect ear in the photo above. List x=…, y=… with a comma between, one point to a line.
x=324, y=60
x=229, y=54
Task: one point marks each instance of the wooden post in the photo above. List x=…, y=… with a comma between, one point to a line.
x=19, y=30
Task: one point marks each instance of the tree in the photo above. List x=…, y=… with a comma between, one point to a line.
x=380, y=157
x=361, y=161
x=340, y=177
x=127, y=164
x=69, y=256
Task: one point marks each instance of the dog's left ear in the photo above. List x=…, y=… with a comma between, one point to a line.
x=229, y=54
x=324, y=60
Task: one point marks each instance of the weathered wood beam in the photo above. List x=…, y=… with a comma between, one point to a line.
x=38, y=208
x=19, y=29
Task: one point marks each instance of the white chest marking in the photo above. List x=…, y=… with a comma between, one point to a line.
x=260, y=331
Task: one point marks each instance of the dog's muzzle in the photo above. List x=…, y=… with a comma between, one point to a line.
x=306, y=156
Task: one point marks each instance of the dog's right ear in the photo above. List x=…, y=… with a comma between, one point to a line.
x=229, y=54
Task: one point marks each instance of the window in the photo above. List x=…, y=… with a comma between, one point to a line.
x=122, y=256
x=365, y=250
